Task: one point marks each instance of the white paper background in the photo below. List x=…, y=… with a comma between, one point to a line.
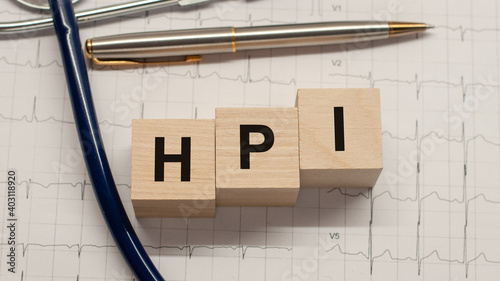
x=433, y=215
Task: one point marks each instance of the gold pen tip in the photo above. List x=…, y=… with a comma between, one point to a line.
x=404, y=28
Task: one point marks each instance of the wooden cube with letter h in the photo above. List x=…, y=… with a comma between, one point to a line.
x=340, y=137
x=173, y=168
x=257, y=161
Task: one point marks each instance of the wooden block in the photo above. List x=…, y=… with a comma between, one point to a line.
x=257, y=160
x=173, y=168
x=340, y=137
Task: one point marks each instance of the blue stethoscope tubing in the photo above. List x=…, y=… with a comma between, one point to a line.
x=92, y=146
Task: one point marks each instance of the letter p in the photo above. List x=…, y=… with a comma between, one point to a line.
x=246, y=147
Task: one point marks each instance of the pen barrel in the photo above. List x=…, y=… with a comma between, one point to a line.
x=311, y=34
x=228, y=39
x=164, y=44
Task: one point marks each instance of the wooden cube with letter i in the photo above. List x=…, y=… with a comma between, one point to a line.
x=340, y=137
x=173, y=168
x=257, y=161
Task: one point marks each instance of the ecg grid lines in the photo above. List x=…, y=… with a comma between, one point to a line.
x=433, y=214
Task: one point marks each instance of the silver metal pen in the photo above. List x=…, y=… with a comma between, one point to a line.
x=162, y=46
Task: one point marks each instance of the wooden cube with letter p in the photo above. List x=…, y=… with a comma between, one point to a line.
x=340, y=137
x=257, y=161
x=173, y=168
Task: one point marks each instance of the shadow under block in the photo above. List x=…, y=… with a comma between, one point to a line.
x=340, y=137
x=185, y=157
x=270, y=177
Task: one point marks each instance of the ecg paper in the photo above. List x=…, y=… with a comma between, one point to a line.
x=433, y=215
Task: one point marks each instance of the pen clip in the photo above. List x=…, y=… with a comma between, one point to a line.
x=124, y=62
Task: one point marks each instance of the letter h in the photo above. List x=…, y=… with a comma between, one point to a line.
x=184, y=158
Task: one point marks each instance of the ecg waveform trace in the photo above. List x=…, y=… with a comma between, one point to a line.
x=432, y=215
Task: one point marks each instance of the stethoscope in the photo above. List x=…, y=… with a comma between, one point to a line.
x=38, y=4
x=65, y=23
x=89, y=15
